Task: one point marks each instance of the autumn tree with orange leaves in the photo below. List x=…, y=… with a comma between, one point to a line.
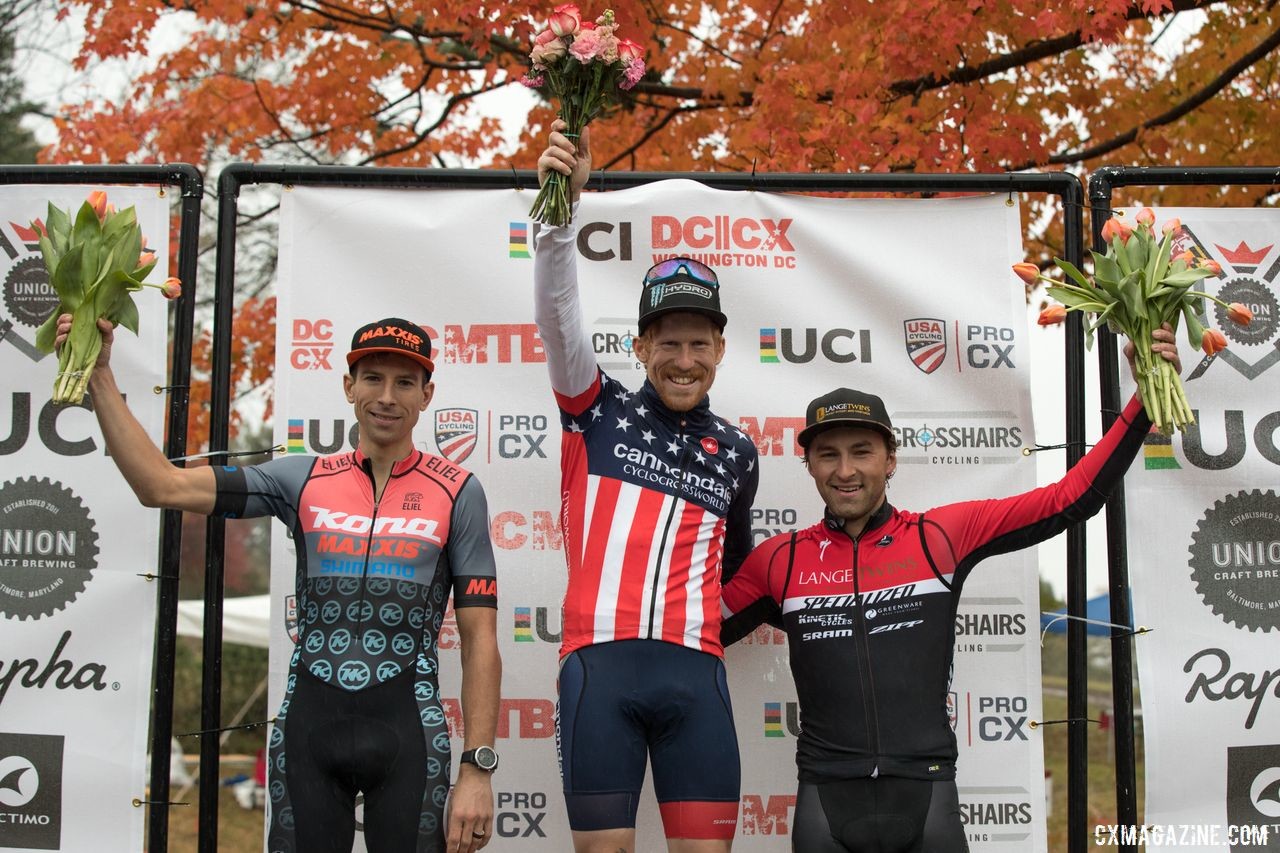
x=770, y=85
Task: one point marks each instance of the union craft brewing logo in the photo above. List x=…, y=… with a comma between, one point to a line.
x=31, y=791
x=1235, y=559
x=28, y=298
x=926, y=341
x=1249, y=277
x=456, y=433
x=48, y=547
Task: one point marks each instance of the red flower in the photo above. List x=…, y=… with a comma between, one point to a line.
x=1212, y=266
x=1146, y=217
x=1186, y=257
x=1028, y=272
x=1213, y=342
x=146, y=258
x=1239, y=314
x=172, y=288
x=1052, y=316
x=1113, y=228
x=1171, y=226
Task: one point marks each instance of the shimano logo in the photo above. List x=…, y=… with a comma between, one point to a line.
x=420, y=528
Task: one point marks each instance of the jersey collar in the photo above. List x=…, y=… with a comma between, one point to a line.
x=878, y=519
x=402, y=466
x=698, y=417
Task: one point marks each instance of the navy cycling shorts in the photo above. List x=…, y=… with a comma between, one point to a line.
x=623, y=701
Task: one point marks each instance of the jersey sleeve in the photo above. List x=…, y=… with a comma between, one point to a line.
x=958, y=536
x=737, y=528
x=557, y=310
x=753, y=595
x=470, y=550
x=271, y=488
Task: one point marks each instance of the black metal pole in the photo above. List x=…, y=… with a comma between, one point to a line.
x=215, y=528
x=1126, y=764
x=192, y=189
x=1077, y=669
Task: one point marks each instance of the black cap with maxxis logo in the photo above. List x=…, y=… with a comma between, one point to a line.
x=844, y=407
x=392, y=335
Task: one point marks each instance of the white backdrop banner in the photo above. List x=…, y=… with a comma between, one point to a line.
x=913, y=300
x=78, y=623
x=1204, y=552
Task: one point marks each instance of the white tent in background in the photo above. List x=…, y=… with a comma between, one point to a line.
x=245, y=620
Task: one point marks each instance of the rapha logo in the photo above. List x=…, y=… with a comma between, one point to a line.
x=457, y=431
x=926, y=342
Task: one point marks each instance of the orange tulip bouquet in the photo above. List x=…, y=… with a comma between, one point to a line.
x=1138, y=285
x=584, y=66
x=96, y=261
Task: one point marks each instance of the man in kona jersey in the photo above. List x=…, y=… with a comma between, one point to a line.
x=383, y=535
x=876, y=754
x=656, y=504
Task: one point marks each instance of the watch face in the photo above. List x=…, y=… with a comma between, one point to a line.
x=486, y=758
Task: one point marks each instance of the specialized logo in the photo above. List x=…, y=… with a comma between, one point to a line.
x=31, y=791
x=801, y=346
x=1235, y=559
x=1253, y=786
x=457, y=431
x=28, y=298
x=312, y=345
x=926, y=341
x=725, y=241
x=48, y=547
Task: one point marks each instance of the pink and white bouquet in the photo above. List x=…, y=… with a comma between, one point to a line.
x=584, y=66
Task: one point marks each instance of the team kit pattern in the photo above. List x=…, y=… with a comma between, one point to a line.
x=796, y=329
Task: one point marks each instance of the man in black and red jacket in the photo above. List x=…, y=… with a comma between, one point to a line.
x=868, y=599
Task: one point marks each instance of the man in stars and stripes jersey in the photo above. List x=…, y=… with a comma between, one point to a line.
x=656, y=502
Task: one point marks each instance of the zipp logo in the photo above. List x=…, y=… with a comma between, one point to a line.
x=328, y=519
x=895, y=626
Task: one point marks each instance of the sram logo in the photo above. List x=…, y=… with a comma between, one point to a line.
x=328, y=519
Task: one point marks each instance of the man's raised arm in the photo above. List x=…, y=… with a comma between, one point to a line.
x=155, y=481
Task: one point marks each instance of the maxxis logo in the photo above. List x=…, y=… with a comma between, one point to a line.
x=1235, y=559
x=48, y=547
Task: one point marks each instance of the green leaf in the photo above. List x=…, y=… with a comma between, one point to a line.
x=1106, y=269
x=1071, y=270
x=57, y=221
x=49, y=254
x=1186, y=277
x=1195, y=331
x=124, y=312
x=1073, y=300
x=49, y=329
x=87, y=227
x=119, y=222
x=66, y=278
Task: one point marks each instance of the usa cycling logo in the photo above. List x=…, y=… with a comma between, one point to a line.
x=457, y=431
x=926, y=342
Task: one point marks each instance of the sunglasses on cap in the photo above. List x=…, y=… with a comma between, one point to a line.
x=681, y=268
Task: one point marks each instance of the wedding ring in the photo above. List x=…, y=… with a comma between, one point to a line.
x=475, y=834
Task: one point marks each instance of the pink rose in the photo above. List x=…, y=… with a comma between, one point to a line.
x=565, y=20
x=545, y=37
x=586, y=46
x=547, y=54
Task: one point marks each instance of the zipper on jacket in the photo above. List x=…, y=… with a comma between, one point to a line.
x=662, y=548
x=368, y=549
x=864, y=657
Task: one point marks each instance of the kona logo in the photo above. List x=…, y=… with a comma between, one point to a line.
x=421, y=528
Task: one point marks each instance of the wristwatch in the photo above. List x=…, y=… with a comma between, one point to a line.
x=482, y=757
